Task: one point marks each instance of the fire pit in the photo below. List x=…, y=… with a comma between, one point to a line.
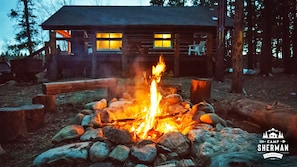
x=150, y=128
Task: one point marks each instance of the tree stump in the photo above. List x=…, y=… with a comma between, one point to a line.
x=12, y=124
x=200, y=90
x=49, y=102
x=34, y=116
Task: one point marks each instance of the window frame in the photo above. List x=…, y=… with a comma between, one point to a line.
x=109, y=39
x=162, y=39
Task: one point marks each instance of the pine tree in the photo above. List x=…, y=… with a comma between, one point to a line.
x=27, y=27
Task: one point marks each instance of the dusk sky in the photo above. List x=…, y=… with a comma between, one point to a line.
x=7, y=29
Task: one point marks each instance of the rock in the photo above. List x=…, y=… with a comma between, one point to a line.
x=86, y=111
x=69, y=152
x=203, y=106
x=197, y=115
x=175, y=109
x=99, y=151
x=2, y=151
x=212, y=118
x=102, y=164
x=172, y=99
x=145, y=154
x=107, y=116
x=89, y=105
x=141, y=165
x=68, y=132
x=87, y=121
x=219, y=127
x=93, y=120
x=99, y=105
x=117, y=136
x=126, y=96
x=175, y=141
x=123, y=109
x=77, y=119
x=120, y=153
x=91, y=134
x=186, y=163
x=206, y=143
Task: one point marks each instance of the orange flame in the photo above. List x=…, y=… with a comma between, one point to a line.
x=155, y=98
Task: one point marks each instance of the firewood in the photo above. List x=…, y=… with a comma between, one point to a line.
x=12, y=124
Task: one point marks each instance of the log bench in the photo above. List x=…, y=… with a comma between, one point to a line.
x=50, y=90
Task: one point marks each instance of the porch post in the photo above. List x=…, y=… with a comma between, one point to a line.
x=209, y=63
x=52, y=59
x=125, y=48
x=176, y=54
x=94, y=57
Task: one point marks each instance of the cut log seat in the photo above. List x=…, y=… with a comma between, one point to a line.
x=35, y=114
x=12, y=124
x=15, y=122
x=49, y=102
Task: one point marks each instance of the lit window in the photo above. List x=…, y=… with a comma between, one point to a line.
x=162, y=41
x=109, y=41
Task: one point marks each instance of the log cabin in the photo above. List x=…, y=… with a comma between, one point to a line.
x=109, y=41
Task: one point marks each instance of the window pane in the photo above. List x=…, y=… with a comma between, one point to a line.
x=115, y=44
x=166, y=36
x=102, y=35
x=166, y=43
x=158, y=35
x=102, y=44
x=115, y=35
x=158, y=43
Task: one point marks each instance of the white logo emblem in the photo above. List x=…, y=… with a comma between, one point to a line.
x=273, y=145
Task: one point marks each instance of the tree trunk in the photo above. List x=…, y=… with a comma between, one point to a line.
x=249, y=36
x=28, y=29
x=285, y=37
x=237, y=37
x=219, y=60
x=266, y=51
x=294, y=41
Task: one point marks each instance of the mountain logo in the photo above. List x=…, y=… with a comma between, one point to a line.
x=273, y=145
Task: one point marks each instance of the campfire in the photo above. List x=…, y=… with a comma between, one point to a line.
x=147, y=124
x=153, y=115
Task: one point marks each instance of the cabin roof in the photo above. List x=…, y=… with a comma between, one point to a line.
x=70, y=17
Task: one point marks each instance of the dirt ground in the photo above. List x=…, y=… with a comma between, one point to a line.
x=279, y=87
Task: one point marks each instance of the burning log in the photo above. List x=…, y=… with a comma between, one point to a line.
x=54, y=88
x=200, y=90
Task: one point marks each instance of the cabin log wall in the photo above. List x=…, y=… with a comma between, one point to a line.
x=137, y=54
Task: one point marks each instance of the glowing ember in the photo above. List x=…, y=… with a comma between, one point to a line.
x=155, y=98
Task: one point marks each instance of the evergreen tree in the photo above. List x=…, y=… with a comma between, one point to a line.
x=27, y=27
x=157, y=2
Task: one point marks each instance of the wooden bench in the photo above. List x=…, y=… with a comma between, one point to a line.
x=50, y=90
